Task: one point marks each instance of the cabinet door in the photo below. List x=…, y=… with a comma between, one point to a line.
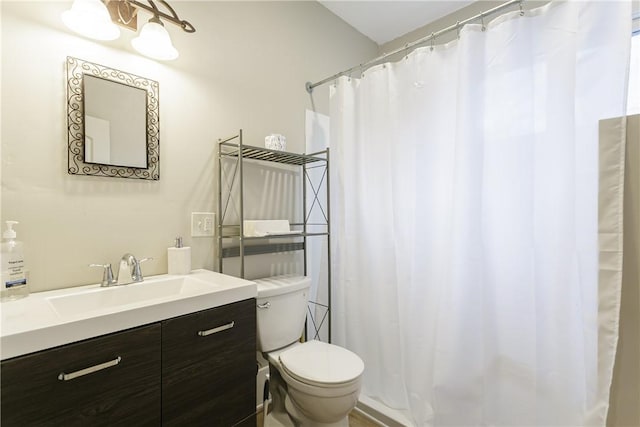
x=209, y=366
x=112, y=380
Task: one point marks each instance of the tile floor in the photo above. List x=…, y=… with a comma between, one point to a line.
x=355, y=420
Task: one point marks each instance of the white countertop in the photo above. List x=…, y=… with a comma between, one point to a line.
x=31, y=324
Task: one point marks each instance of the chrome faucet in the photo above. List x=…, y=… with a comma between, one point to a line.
x=129, y=271
x=126, y=272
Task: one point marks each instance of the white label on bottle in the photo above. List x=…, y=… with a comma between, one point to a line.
x=14, y=276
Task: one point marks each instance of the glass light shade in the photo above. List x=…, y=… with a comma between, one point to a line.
x=154, y=42
x=91, y=18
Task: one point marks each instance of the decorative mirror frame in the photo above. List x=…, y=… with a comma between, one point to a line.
x=76, y=69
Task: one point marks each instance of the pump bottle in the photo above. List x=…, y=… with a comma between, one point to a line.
x=14, y=273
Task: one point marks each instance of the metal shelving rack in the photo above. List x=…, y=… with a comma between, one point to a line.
x=234, y=149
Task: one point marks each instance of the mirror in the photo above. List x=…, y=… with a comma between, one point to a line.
x=112, y=121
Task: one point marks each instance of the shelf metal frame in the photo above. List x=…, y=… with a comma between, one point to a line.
x=234, y=148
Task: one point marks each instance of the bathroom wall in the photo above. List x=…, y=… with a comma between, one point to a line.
x=245, y=67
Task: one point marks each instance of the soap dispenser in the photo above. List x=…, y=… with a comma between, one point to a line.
x=179, y=258
x=14, y=272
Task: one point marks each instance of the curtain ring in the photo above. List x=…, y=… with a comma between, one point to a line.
x=433, y=39
x=458, y=29
x=521, y=8
x=406, y=51
x=484, y=28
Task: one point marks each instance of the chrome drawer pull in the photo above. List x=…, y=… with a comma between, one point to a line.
x=89, y=370
x=265, y=305
x=218, y=329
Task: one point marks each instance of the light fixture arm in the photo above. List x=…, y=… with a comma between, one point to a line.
x=173, y=18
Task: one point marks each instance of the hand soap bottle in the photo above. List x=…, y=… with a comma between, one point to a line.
x=14, y=273
x=179, y=258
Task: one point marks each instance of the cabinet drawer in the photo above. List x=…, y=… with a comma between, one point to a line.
x=107, y=381
x=209, y=366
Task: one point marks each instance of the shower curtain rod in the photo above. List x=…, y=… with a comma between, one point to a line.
x=309, y=86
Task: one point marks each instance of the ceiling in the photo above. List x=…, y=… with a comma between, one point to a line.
x=383, y=21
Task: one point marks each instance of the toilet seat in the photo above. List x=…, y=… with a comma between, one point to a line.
x=320, y=364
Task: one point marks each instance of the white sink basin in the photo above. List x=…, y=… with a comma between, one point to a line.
x=49, y=319
x=114, y=296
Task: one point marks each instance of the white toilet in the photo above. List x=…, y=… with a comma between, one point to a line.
x=311, y=383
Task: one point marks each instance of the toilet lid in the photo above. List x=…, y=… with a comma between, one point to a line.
x=319, y=362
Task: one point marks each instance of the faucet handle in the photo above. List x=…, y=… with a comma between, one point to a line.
x=137, y=271
x=107, y=274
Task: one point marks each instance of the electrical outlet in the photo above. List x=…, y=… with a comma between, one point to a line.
x=202, y=224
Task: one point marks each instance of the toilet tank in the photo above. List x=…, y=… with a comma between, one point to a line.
x=281, y=310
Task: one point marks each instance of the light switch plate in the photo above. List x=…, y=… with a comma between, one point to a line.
x=202, y=224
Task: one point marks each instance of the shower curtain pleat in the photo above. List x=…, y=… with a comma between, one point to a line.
x=465, y=212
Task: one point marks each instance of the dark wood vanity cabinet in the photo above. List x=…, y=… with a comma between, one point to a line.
x=59, y=387
x=209, y=366
x=194, y=370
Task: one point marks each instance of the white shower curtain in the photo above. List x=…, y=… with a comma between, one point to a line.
x=465, y=219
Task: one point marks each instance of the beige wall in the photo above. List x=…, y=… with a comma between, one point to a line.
x=245, y=67
x=624, y=407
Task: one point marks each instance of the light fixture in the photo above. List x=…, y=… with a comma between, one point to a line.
x=91, y=19
x=153, y=40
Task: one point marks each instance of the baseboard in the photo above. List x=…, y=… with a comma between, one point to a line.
x=368, y=417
